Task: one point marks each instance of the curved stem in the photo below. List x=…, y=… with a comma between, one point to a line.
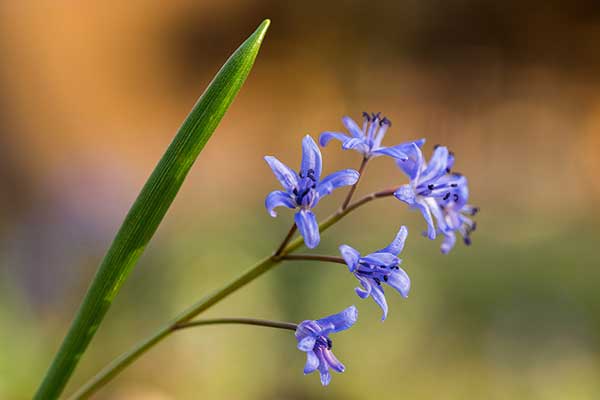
x=113, y=369
x=314, y=257
x=243, y=321
x=361, y=169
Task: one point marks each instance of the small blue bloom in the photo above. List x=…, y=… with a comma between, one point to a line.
x=455, y=210
x=367, y=140
x=379, y=267
x=313, y=338
x=303, y=190
x=438, y=193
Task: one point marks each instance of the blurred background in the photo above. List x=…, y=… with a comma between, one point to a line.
x=91, y=95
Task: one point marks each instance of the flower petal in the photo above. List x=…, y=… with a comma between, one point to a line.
x=437, y=165
x=406, y=193
x=326, y=137
x=352, y=127
x=333, y=361
x=421, y=206
x=338, y=179
x=338, y=322
x=413, y=165
x=312, y=362
x=307, y=343
x=448, y=242
x=286, y=176
x=308, y=227
x=351, y=256
x=379, y=297
x=400, y=281
x=366, y=284
x=357, y=144
x=386, y=259
x=398, y=243
x=278, y=198
x=311, y=157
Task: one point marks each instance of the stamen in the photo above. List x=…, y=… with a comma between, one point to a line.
x=447, y=196
x=431, y=186
x=377, y=281
x=385, y=278
x=366, y=116
x=329, y=344
x=455, y=197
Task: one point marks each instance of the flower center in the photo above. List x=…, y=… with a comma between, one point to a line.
x=305, y=192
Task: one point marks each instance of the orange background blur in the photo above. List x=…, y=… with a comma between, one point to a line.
x=91, y=95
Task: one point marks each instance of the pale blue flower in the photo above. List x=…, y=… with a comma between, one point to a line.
x=313, y=338
x=303, y=190
x=378, y=268
x=367, y=140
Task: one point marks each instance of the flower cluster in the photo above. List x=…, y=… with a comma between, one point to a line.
x=440, y=194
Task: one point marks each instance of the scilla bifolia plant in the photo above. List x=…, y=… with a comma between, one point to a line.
x=433, y=188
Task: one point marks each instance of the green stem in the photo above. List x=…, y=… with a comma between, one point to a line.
x=361, y=170
x=113, y=369
x=242, y=321
x=314, y=257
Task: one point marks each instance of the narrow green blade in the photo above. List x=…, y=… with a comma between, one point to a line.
x=148, y=211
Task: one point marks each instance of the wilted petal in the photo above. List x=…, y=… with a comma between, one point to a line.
x=398, y=243
x=311, y=157
x=400, y=281
x=308, y=227
x=278, y=198
x=338, y=179
x=286, y=176
x=312, y=362
x=352, y=127
x=326, y=137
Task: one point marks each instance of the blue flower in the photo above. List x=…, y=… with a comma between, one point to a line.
x=379, y=267
x=313, y=338
x=454, y=209
x=367, y=140
x=303, y=190
x=438, y=193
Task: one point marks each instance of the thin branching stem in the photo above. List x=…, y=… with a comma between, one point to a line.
x=314, y=257
x=285, y=241
x=266, y=264
x=243, y=321
x=361, y=170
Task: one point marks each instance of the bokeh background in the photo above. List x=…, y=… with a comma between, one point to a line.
x=91, y=95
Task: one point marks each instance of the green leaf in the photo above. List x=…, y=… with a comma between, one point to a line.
x=148, y=211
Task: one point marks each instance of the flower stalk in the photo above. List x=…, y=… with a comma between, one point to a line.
x=241, y=321
x=266, y=264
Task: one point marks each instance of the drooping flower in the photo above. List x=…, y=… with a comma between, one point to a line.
x=438, y=193
x=313, y=338
x=455, y=210
x=303, y=190
x=367, y=140
x=378, y=268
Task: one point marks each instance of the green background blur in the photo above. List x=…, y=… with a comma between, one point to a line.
x=91, y=95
